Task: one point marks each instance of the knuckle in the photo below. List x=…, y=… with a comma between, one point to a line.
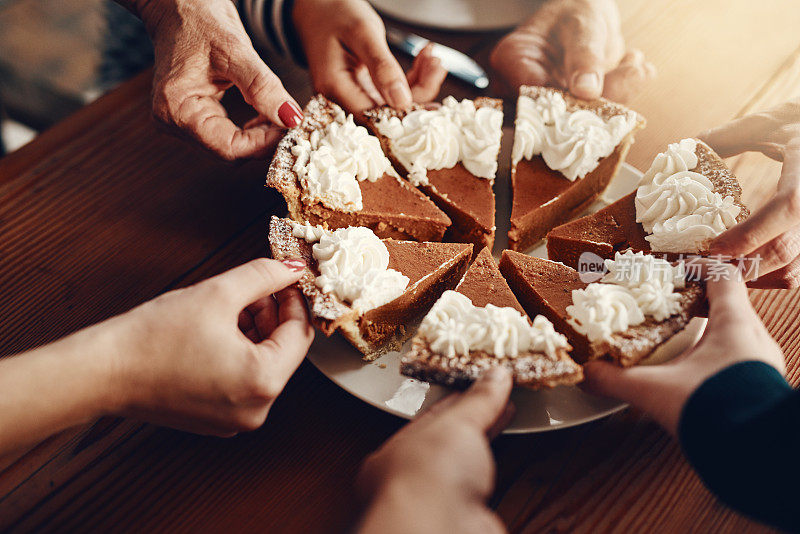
x=264, y=269
x=790, y=280
x=792, y=201
x=225, y=42
x=251, y=420
x=358, y=27
x=784, y=249
x=264, y=83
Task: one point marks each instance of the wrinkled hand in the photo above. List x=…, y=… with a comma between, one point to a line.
x=772, y=234
x=436, y=473
x=576, y=45
x=201, y=50
x=734, y=334
x=350, y=61
x=212, y=358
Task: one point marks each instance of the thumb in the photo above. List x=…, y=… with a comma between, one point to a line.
x=610, y=380
x=584, y=58
x=256, y=279
x=262, y=89
x=484, y=403
x=658, y=390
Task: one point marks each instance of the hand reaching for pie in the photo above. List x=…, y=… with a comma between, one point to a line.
x=202, y=50
x=350, y=61
x=575, y=45
x=771, y=235
x=734, y=334
x=436, y=473
x=213, y=357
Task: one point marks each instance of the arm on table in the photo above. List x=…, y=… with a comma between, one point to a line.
x=210, y=358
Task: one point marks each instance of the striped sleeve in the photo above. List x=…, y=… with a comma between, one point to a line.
x=270, y=25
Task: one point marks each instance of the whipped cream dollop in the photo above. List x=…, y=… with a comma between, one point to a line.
x=599, y=310
x=679, y=207
x=571, y=142
x=636, y=285
x=308, y=232
x=332, y=161
x=652, y=281
x=455, y=327
x=353, y=264
x=439, y=138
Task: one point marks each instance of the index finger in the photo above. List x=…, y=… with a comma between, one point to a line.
x=778, y=215
x=255, y=279
x=205, y=119
x=484, y=402
x=368, y=44
x=289, y=342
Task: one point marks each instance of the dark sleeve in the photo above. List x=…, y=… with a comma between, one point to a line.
x=270, y=25
x=741, y=431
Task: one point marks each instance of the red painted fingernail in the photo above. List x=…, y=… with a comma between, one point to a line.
x=294, y=265
x=290, y=114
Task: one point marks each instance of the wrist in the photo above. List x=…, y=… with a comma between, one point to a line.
x=99, y=353
x=409, y=504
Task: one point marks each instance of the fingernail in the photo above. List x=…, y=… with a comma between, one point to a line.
x=587, y=83
x=294, y=265
x=400, y=95
x=290, y=115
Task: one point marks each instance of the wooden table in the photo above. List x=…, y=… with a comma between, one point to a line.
x=102, y=213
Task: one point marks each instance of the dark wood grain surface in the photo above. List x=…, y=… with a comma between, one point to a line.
x=103, y=212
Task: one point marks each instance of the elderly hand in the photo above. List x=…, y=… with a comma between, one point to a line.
x=201, y=50
x=350, y=61
x=213, y=357
x=436, y=473
x=734, y=334
x=771, y=235
x=576, y=45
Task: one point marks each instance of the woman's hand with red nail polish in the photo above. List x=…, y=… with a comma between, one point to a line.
x=213, y=357
x=202, y=50
x=350, y=61
x=576, y=45
x=436, y=473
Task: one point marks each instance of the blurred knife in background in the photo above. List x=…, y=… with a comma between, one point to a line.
x=457, y=63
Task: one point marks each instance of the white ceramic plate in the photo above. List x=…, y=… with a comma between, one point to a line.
x=475, y=15
x=536, y=411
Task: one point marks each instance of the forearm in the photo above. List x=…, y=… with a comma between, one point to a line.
x=400, y=508
x=740, y=431
x=57, y=386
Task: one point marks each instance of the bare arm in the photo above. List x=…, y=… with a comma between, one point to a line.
x=210, y=358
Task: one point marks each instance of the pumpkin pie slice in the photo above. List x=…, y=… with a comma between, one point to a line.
x=483, y=300
x=566, y=152
x=551, y=288
x=331, y=172
x=450, y=153
x=667, y=199
x=369, y=289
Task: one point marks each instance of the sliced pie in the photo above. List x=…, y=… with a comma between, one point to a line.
x=686, y=198
x=367, y=288
x=592, y=315
x=450, y=152
x=331, y=172
x=566, y=152
x=482, y=325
